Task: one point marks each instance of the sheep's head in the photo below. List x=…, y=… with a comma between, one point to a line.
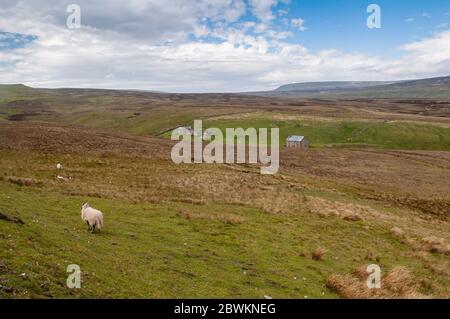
x=85, y=205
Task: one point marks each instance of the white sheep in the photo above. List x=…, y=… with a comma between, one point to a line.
x=92, y=217
x=59, y=166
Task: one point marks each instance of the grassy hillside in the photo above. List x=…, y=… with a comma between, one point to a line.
x=348, y=133
x=432, y=88
x=13, y=91
x=311, y=87
x=213, y=230
x=373, y=189
x=165, y=254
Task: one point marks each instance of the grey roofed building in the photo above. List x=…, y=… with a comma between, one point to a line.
x=295, y=138
x=297, y=141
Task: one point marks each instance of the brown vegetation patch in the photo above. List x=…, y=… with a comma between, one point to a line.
x=49, y=138
x=397, y=232
x=346, y=211
x=22, y=181
x=438, y=207
x=431, y=244
x=402, y=178
x=318, y=254
x=192, y=201
x=397, y=283
x=440, y=268
x=436, y=245
x=230, y=219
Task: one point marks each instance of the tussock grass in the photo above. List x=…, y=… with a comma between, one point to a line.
x=397, y=232
x=436, y=245
x=397, y=283
x=346, y=211
x=318, y=254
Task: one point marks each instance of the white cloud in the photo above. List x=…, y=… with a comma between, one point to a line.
x=154, y=20
x=107, y=55
x=299, y=23
x=408, y=20
x=262, y=9
x=426, y=57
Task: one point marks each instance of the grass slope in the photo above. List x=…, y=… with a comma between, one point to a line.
x=351, y=133
x=195, y=231
x=434, y=88
x=148, y=250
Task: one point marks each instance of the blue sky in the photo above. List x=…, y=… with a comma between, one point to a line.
x=12, y=41
x=341, y=24
x=220, y=45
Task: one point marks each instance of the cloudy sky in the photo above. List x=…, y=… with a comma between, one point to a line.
x=219, y=45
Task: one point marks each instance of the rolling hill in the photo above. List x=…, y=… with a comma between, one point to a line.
x=329, y=86
x=373, y=188
x=438, y=88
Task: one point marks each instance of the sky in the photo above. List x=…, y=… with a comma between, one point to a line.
x=219, y=45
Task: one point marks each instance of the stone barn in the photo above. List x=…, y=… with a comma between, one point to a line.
x=297, y=141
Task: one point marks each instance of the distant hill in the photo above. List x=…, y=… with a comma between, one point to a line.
x=14, y=91
x=318, y=87
x=13, y=88
x=424, y=88
x=432, y=88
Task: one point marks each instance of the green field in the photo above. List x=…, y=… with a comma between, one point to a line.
x=336, y=133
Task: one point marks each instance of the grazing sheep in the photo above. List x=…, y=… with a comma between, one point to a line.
x=59, y=166
x=92, y=217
